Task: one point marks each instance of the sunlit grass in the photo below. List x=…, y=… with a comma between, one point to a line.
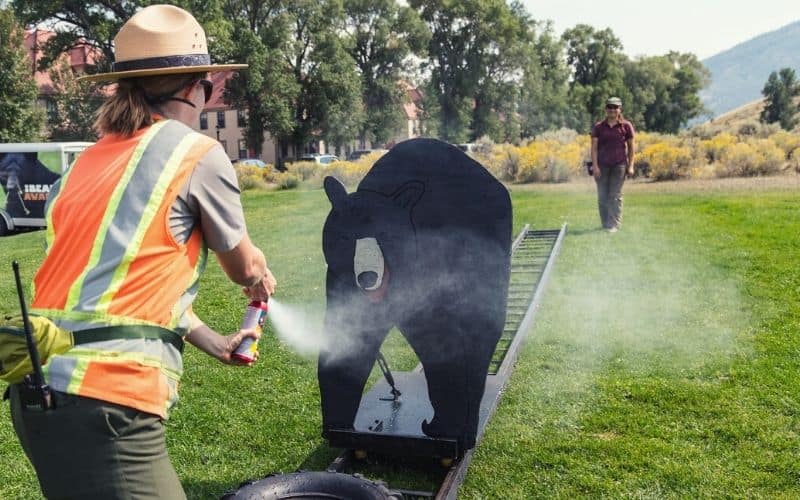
x=663, y=361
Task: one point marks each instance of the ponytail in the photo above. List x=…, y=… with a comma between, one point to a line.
x=129, y=109
x=125, y=112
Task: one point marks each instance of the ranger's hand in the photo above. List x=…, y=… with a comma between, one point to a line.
x=262, y=290
x=231, y=342
x=629, y=171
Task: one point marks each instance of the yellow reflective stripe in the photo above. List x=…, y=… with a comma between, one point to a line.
x=149, y=213
x=77, y=375
x=84, y=355
x=75, y=290
x=91, y=318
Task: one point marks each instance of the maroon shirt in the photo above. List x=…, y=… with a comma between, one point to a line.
x=611, y=142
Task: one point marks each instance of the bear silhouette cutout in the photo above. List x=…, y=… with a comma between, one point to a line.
x=423, y=245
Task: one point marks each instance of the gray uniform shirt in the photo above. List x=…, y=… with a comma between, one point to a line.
x=211, y=198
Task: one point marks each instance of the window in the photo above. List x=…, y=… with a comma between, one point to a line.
x=203, y=121
x=242, y=149
x=240, y=118
x=220, y=119
x=52, y=110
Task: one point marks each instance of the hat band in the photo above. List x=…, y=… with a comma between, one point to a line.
x=162, y=62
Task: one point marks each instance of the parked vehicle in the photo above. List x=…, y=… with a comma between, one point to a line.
x=467, y=148
x=27, y=174
x=358, y=153
x=320, y=159
x=250, y=162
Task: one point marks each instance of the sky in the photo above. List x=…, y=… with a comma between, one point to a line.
x=654, y=27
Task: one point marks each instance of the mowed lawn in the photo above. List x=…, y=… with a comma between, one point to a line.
x=664, y=362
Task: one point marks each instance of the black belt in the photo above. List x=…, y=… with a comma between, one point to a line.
x=128, y=332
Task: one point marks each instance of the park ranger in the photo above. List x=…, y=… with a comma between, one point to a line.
x=127, y=231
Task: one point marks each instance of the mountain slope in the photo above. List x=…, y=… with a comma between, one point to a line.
x=738, y=74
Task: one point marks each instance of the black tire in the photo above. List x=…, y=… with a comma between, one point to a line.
x=3, y=227
x=313, y=486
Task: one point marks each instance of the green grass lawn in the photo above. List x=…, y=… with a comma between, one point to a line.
x=663, y=363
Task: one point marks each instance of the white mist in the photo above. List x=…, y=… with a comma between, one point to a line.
x=299, y=329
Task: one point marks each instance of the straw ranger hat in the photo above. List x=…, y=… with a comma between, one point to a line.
x=160, y=40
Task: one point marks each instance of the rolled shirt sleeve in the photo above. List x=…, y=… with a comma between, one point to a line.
x=211, y=198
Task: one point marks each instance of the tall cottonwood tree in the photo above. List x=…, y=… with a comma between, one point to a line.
x=382, y=36
x=20, y=118
x=779, y=93
x=543, y=100
x=473, y=57
x=596, y=61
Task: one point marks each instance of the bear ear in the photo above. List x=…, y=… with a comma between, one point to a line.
x=409, y=194
x=335, y=190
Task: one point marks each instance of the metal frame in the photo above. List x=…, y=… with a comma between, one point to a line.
x=457, y=472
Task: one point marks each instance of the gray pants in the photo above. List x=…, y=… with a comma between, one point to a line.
x=609, y=195
x=92, y=449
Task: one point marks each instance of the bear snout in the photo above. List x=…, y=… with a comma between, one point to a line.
x=367, y=280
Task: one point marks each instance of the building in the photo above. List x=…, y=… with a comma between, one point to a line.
x=79, y=58
x=218, y=120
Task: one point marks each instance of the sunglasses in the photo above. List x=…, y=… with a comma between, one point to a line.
x=612, y=106
x=208, y=88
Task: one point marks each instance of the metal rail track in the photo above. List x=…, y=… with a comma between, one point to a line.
x=533, y=257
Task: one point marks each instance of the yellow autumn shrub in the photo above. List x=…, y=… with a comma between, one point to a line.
x=666, y=161
x=715, y=147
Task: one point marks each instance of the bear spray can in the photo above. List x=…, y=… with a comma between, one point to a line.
x=253, y=318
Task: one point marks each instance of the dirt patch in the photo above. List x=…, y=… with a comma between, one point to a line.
x=773, y=183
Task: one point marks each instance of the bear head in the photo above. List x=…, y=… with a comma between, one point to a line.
x=368, y=235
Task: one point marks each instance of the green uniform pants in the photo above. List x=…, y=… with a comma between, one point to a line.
x=91, y=449
x=609, y=195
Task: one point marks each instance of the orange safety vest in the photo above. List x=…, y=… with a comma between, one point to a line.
x=112, y=260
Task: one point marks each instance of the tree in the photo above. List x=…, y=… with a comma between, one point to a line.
x=779, y=93
x=20, y=119
x=266, y=90
x=327, y=81
x=544, y=103
x=73, y=106
x=380, y=37
x=596, y=59
x=96, y=23
x=474, y=54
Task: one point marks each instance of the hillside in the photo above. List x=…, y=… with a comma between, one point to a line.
x=746, y=114
x=738, y=74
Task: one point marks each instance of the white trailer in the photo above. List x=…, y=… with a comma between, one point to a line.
x=27, y=173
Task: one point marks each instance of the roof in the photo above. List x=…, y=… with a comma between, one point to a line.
x=217, y=101
x=79, y=57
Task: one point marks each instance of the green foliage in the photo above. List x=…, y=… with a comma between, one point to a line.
x=664, y=91
x=475, y=52
x=544, y=104
x=73, y=106
x=596, y=59
x=380, y=37
x=98, y=22
x=779, y=93
x=20, y=119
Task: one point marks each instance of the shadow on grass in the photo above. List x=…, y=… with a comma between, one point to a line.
x=207, y=489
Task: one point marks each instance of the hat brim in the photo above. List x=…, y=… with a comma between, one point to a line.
x=176, y=70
